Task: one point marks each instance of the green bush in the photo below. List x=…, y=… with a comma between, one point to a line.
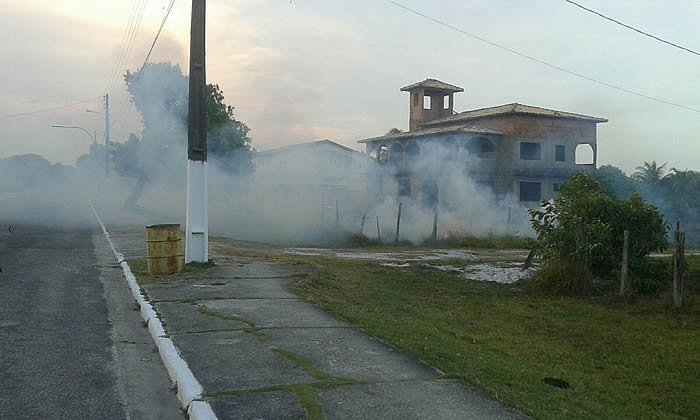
x=586, y=226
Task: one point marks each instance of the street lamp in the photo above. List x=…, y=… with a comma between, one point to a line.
x=94, y=141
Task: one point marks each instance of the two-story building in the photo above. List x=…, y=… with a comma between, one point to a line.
x=518, y=150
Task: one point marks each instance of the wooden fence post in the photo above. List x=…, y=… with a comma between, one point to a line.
x=585, y=246
x=678, y=256
x=623, y=269
x=508, y=222
x=398, y=223
x=435, y=220
x=379, y=232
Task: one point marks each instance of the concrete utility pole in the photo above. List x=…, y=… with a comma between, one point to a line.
x=107, y=135
x=197, y=217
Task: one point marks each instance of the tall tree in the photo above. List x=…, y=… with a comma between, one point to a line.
x=159, y=92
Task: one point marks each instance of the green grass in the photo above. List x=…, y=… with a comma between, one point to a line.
x=139, y=268
x=622, y=360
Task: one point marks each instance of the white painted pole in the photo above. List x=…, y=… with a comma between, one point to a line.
x=197, y=218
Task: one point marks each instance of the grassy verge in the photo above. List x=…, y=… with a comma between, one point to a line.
x=139, y=268
x=634, y=360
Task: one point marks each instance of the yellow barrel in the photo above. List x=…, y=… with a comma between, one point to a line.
x=163, y=249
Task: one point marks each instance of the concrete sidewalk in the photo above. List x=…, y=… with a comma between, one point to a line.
x=260, y=351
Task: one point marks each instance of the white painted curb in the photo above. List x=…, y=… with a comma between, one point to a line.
x=189, y=390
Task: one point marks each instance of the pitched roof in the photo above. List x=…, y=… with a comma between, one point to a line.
x=293, y=147
x=514, y=108
x=433, y=84
x=432, y=131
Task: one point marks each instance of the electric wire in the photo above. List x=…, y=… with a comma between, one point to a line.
x=155, y=39
x=545, y=63
x=39, y=111
x=129, y=40
x=647, y=34
x=143, y=66
x=122, y=46
x=135, y=31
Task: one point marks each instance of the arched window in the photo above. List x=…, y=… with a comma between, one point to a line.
x=396, y=153
x=585, y=154
x=450, y=148
x=412, y=151
x=479, y=145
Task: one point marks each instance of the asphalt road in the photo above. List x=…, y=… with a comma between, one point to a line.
x=71, y=345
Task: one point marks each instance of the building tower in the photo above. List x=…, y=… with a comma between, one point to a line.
x=430, y=99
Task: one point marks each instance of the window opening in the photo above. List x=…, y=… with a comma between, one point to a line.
x=584, y=154
x=530, y=151
x=530, y=191
x=479, y=145
x=559, y=153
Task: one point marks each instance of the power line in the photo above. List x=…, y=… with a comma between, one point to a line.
x=130, y=36
x=52, y=108
x=122, y=46
x=136, y=25
x=148, y=55
x=170, y=7
x=633, y=28
x=531, y=58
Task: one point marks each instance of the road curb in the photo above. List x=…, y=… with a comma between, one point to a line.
x=189, y=390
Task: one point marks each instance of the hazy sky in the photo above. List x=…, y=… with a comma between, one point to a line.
x=310, y=69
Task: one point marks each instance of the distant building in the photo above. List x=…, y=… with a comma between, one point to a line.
x=314, y=175
x=515, y=149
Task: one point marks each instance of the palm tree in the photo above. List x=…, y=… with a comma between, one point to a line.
x=649, y=173
x=683, y=182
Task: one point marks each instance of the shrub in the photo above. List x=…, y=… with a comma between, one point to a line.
x=584, y=227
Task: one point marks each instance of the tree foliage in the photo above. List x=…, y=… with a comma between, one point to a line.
x=649, y=173
x=676, y=194
x=160, y=94
x=583, y=228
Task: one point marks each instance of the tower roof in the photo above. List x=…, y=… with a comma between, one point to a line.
x=432, y=84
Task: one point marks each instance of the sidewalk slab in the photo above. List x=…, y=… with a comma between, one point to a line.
x=280, y=313
x=236, y=360
x=129, y=242
x=272, y=288
x=432, y=399
x=350, y=353
x=180, y=318
x=265, y=405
